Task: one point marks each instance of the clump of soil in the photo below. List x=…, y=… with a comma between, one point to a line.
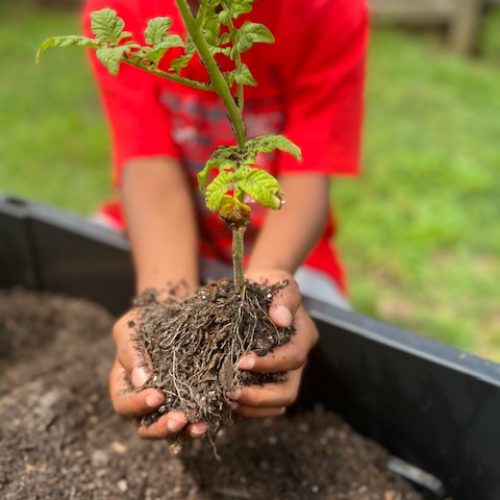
x=195, y=344
x=59, y=437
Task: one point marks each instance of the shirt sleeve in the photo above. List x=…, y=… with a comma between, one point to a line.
x=324, y=87
x=139, y=123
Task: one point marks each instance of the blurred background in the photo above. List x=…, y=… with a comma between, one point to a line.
x=420, y=229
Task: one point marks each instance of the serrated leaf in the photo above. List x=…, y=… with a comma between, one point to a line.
x=217, y=189
x=106, y=26
x=224, y=50
x=211, y=30
x=156, y=30
x=190, y=47
x=180, y=62
x=271, y=142
x=159, y=50
x=229, y=77
x=111, y=57
x=225, y=158
x=243, y=75
x=251, y=33
x=225, y=38
x=260, y=185
x=64, y=41
x=225, y=17
x=124, y=35
x=203, y=175
x=239, y=7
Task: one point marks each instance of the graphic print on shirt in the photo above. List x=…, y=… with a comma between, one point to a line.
x=199, y=126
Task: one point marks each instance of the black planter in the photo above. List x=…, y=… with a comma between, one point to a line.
x=435, y=407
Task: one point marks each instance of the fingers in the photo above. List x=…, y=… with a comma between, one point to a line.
x=125, y=400
x=135, y=362
x=195, y=431
x=166, y=427
x=269, y=395
x=171, y=424
x=285, y=304
x=290, y=356
x=129, y=403
x=286, y=301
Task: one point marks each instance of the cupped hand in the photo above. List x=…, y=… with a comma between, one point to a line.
x=130, y=398
x=286, y=308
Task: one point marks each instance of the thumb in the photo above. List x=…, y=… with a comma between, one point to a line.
x=285, y=304
x=135, y=361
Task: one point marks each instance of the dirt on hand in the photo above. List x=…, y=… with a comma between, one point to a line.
x=59, y=437
x=195, y=344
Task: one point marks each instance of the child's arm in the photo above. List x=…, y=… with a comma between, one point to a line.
x=290, y=234
x=161, y=223
x=162, y=231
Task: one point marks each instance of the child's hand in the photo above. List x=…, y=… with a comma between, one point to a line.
x=272, y=399
x=126, y=381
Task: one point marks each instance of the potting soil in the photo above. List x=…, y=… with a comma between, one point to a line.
x=59, y=437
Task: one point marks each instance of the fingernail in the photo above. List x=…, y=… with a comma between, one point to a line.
x=246, y=363
x=198, y=431
x=283, y=315
x=235, y=394
x=139, y=377
x=175, y=425
x=154, y=400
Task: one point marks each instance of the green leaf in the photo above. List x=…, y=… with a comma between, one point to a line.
x=225, y=158
x=225, y=17
x=64, y=41
x=203, y=175
x=251, y=33
x=158, y=51
x=111, y=57
x=271, y=142
x=229, y=77
x=239, y=7
x=190, y=46
x=157, y=29
x=211, y=30
x=181, y=62
x=124, y=35
x=217, y=189
x=242, y=75
x=107, y=26
x=260, y=185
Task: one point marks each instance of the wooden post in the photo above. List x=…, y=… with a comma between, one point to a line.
x=466, y=27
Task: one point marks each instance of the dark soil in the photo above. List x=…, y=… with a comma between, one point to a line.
x=60, y=439
x=195, y=344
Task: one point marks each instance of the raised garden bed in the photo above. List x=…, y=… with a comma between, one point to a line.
x=432, y=406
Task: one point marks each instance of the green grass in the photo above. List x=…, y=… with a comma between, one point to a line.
x=53, y=145
x=419, y=228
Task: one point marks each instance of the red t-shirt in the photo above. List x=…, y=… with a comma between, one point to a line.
x=310, y=88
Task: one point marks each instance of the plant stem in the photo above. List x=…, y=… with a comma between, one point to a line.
x=169, y=76
x=234, y=111
x=239, y=86
x=217, y=78
x=237, y=250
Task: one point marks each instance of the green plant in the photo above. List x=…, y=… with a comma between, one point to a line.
x=212, y=30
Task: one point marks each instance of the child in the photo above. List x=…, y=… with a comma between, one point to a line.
x=310, y=87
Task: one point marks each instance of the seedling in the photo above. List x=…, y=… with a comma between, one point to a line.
x=214, y=29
